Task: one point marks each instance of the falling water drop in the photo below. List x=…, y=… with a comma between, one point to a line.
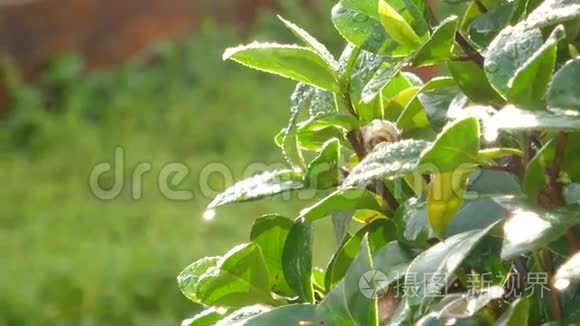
x=208, y=215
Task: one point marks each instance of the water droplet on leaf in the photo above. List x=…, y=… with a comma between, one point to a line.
x=208, y=215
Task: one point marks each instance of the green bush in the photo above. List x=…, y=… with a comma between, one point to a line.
x=453, y=200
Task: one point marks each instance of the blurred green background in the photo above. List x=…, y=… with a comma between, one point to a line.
x=69, y=258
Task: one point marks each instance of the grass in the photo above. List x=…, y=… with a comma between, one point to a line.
x=69, y=258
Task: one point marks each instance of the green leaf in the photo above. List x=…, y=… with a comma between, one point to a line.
x=416, y=116
x=188, y=279
x=311, y=42
x=331, y=119
x=296, y=314
x=457, y=145
x=468, y=304
x=208, y=317
x=346, y=200
x=445, y=198
x=297, y=260
x=517, y=314
x=438, y=263
x=346, y=303
x=553, y=12
x=563, y=92
x=535, y=176
x=270, y=233
x=259, y=186
x=512, y=118
x=323, y=172
x=508, y=52
x=313, y=140
x=358, y=22
x=380, y=79
x=528, y=86
x=392, y=260
x=569, y=272
x=528, y=229
x=379, y=232
x=486, y=27
x=242, y=315
x=341, y=223
x=362, y=308
x=473, y=82
x=397, y=27
x=240, y=278
x=290, y=61
x=301, y=97
x=386, y=161
x=440, y=46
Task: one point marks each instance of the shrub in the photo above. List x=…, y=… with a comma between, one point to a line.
x=453, y=200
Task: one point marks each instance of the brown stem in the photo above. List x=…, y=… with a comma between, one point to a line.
x=472, y=53
x=480, y=6
x=572, y=239
x=556, y=304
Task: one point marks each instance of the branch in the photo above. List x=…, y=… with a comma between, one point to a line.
x=472, y=53
x=556, y=304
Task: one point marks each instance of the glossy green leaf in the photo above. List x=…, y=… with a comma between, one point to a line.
x=508, y=52
x=380, y=79
x=208, y=317
x=239, y=278
x=433, y=268
x=512, y=118
x=535, y=179
x=358, y=22
x=517, y=314
x=445, y=198
x=553, y=12
x=310, y=41
x=457, y=145
x=297, y=314
x=313, y=140
x=486, y=27
x=290, y=61
x=332, y=119
x=297, y=260
x=386, y=161
x=563, y=92
x=379, y=232
x=270, y=233
x=468, y=304
x=241, y=316
x=569, y=272
x=473, y=82
x=528, y=229
x=529, y=84
x=392, y=260
x=301, y=97
x=396, y=26
x=259, y=186
x=188, y=279
x=323, y=172
x=416, y=116
x=440, y=46
x=346, y=200
x=362, y=308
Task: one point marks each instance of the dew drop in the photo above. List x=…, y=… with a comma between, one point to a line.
x=360, y=18
x=208, y=215
x=491, y=67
